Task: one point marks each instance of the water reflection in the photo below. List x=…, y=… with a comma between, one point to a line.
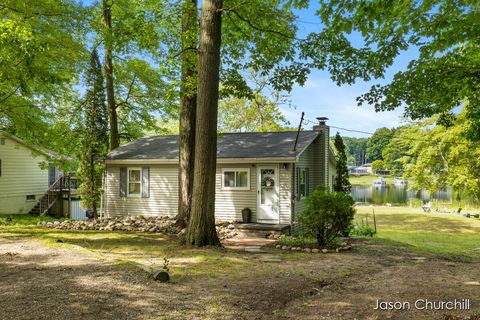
x=397, y=195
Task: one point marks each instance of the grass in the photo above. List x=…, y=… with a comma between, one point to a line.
x=446, y=235
x=369, y=179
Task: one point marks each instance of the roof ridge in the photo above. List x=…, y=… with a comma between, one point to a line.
x=224, y=133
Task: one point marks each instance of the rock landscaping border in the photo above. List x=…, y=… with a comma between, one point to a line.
x=150, y=224
x=344, y=247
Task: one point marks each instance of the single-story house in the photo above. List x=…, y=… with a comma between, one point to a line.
x=23, y=180
x=264, y=172
x=358, y=171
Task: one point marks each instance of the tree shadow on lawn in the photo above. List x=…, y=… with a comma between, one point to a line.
x=35, y=289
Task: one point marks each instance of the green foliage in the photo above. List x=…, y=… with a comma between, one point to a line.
x=377, y=142
x=301, y=240
x=166, y=263
x=242, y=115
x=439, y=79
x=394, y=152
x=441, y=156
x=342, y=183
x=94, y=137
x=356, y=150
x=378, y=165
x=41, y=54
x=328, y=215
x=362, y=229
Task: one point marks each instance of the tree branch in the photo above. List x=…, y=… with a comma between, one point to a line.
x=261, y=29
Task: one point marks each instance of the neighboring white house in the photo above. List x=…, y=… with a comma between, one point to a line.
x=259, y=171
x=22, y=180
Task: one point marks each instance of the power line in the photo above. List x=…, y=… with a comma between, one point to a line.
x=308, y=121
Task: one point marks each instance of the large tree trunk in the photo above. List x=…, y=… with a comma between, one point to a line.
x=112, y=108
x=201, y=227
x=188, y=105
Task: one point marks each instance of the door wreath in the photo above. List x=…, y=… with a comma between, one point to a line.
x=268, y=182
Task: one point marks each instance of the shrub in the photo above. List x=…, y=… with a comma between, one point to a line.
x=362, y=231
x=328, y=215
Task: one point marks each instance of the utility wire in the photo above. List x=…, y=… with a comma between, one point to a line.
x=308, y=121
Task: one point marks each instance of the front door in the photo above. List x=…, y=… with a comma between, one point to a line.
x=267, y=194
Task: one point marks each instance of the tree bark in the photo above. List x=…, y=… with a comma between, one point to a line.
x=112, y=108
x=201, y=227
x=188, y=105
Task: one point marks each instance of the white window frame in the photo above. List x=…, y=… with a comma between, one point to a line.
x=134, y=195
x=247, y=170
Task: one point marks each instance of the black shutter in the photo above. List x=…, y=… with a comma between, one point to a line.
x=123, y=182
x=145, y=182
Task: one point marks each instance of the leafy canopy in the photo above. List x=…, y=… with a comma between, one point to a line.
x=446, y=71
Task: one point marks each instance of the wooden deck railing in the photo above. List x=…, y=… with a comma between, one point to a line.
x=55, y=192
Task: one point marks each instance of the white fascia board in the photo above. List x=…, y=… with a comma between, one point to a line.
x=220, y=160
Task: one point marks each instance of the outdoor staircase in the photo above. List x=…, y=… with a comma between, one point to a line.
x=49, y=198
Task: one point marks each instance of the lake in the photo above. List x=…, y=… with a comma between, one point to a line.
x=397, y=195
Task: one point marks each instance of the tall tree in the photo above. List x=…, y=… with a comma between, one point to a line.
x=112, y=108
x=201, y=228
x=356, y=150
x=440, y=156
x=246, y=115
x=188, y=104
x=342, y=183
x=94, y=137
x=377, y=143
x=394, y=152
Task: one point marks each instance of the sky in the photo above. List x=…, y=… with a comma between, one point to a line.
x=320, y=96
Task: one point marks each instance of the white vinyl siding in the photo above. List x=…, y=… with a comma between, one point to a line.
x=229, y=203
x=163, y=198
x=21, y=176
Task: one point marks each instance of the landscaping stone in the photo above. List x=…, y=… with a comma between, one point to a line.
x=152, y=224
x=324, y=251
x=315, y=250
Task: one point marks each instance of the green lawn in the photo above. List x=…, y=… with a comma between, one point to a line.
x=369, y=179
x=99, y=270
x=448, y=235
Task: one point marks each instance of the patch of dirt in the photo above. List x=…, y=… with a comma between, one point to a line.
x=69, y=282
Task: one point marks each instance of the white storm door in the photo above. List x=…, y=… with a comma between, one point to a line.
x=267, y=194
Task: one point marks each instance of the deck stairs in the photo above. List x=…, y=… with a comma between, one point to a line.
x=49, y=198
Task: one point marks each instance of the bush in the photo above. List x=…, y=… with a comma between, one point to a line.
x=362, y=231
x=328, y=215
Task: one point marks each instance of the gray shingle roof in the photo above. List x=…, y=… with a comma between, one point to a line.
x=229, y=145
